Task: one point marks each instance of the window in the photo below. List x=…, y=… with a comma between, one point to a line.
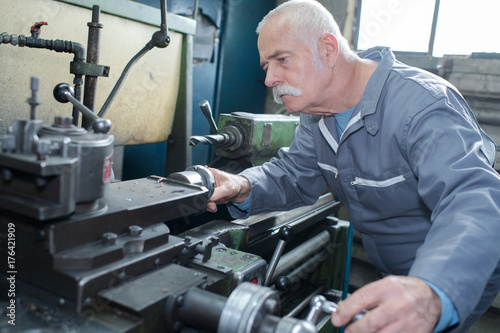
x=463, y=26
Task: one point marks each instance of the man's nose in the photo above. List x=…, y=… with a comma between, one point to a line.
x=273, y=77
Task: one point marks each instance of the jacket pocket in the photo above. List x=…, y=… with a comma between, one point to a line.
x=386, y=198
x=329, y=169
x=378, y=183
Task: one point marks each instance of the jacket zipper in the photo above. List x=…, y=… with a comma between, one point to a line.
x=376, y=183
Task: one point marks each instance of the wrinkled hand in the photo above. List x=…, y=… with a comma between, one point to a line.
x=395, y=304
x=228, y=187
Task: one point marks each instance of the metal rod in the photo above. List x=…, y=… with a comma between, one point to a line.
x=83, y=109
x=206, y=306
x=159, y=39
x=305, y=302
x=304, y=270
x=195, y=9
x=297, y=255
x=164, y=26
x=93, y=48
x=122, y=78
x=77, y=81
x=430, y=50
x=274, y=261
x=34, y=101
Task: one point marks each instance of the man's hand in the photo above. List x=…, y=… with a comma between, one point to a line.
x=228, y=187
x=395, y=304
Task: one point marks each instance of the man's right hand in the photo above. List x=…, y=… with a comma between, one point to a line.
x=228, y=187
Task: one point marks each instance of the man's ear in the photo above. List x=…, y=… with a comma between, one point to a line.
x=329, y=48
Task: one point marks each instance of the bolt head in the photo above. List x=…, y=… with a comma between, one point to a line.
x=109, y=238
x=135, y=230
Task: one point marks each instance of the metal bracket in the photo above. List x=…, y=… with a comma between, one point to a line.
x=83, y=68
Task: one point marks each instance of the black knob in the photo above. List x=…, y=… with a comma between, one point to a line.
x=283, y=284
x=101, y=126
x=60, y=92
x=286, y=233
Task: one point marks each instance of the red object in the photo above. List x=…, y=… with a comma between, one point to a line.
x=38, y=26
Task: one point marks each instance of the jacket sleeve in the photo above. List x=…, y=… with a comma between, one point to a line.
x=452, y=159
x=287, y=182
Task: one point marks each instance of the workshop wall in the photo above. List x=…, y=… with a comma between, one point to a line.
x=143, y=109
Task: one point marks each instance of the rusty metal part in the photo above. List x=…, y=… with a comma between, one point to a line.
x=93, y=49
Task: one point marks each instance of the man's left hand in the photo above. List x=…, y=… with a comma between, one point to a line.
x=394, y=304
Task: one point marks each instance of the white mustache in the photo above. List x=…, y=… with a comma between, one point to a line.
x=284, y=89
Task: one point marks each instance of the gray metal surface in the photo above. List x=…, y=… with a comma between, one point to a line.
x=246, y=307
x=295, y=218
x=139, y=12
x=143, y=292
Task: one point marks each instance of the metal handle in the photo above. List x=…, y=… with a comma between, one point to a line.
x=63, y=93
x=319, y=305
x=207, y=112
x=285, y=234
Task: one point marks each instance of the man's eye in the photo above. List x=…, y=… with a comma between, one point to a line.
x=282, y=59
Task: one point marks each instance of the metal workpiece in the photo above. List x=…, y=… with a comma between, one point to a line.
x=197, y=175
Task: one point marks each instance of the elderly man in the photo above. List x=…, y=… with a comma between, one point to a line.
x=404, y=153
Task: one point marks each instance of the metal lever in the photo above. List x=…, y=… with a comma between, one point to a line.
x=63, y=93
x=207, y=112
x=285, y=234
x=319, y=305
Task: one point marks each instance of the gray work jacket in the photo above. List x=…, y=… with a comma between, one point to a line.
x=414, y=170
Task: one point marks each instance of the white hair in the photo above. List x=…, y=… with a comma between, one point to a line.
x=310, y=18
